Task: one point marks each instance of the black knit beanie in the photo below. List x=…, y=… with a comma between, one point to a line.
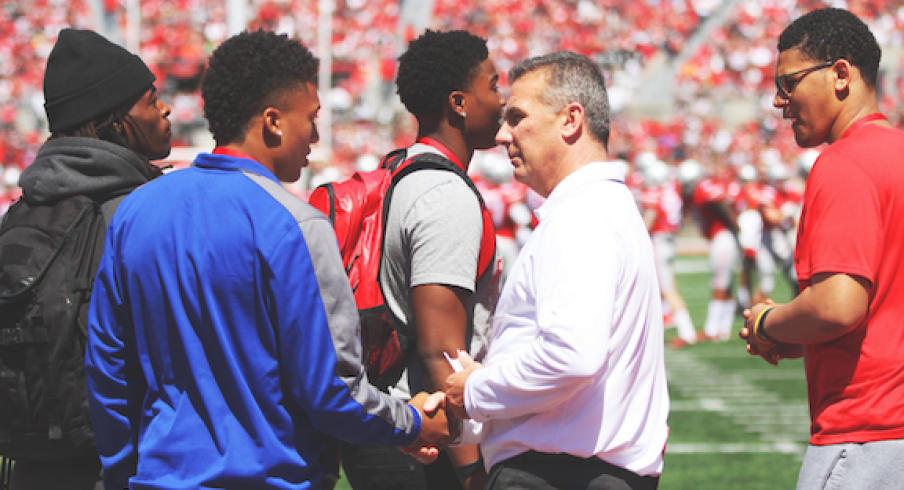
x=88, y=76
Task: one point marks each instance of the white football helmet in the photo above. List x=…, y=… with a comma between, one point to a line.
x=655, y=174
x=806, y=160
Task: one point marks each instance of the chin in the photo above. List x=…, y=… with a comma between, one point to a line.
x=290, y=178
x=488, y=144
x=160, y=155
x=804, y=141
x=519, y=177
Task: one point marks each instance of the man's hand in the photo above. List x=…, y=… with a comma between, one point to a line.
x=455, y=386
x=772, y=352
x=755, y=345
x=437, y=431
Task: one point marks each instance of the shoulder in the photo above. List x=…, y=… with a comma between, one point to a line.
x=441, y=188
x=300, y=210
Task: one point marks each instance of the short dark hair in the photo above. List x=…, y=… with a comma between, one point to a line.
x=830, y=33
x=572, y=78
x=249, y=72
x=435, y=65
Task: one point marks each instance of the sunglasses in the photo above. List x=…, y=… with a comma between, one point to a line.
x=785, y=86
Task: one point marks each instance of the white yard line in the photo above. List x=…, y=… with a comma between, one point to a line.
x=774, y=425
x=777, y=447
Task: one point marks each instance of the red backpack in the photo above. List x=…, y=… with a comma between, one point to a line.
x=357, y=208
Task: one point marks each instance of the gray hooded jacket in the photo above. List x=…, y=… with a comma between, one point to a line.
x=95, y=168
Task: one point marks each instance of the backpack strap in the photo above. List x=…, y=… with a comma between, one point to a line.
x=392, y=160
x=434, y=161
x=109, y=206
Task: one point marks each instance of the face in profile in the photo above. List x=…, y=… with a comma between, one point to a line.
x=148, y=128
x=528, y=132
x=299, y=131
x=484, y=103
x=804, y=93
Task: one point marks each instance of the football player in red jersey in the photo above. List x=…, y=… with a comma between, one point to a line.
x=661, y=205
x=711, y=201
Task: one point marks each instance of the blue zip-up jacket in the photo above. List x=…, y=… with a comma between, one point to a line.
x=224, y=340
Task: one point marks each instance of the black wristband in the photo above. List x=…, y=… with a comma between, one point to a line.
x=761, y=323
x=469, y=469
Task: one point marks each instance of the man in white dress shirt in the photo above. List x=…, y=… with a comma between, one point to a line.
x=573, y=391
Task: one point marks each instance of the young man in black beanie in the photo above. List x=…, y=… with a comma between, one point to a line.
x=106, y=125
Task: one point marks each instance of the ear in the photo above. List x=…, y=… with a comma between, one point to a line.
x=573, y=120
x=458, y=103
x=272, y=122
x=844, y=72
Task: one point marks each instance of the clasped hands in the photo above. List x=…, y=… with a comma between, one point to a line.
x=437, y=430
x=772, y=352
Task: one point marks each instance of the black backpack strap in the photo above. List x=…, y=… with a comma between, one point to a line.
x=434, y=161
x=331, y=192
x=109, y=207
x=392, y=160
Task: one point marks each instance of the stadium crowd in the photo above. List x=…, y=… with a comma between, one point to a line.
x=736, y=61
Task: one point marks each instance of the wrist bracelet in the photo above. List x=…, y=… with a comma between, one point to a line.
x=469, y=469
x=758, y=330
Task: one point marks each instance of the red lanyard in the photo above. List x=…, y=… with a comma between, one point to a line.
x=230, y=152
x=863, y=120
x=441, y=148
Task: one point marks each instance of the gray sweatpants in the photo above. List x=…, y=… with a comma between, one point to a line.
x=873, y=465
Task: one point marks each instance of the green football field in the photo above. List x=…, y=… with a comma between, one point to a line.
x=736, y=422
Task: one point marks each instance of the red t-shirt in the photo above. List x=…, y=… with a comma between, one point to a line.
x=853, y=222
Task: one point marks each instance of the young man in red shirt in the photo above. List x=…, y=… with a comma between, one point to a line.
x=846, y=322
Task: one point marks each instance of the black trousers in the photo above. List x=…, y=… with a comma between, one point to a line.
x=370, y=467
x=543, y=471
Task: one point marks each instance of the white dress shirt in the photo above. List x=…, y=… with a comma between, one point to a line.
x=576, y=362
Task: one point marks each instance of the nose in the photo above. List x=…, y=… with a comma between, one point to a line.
x=164, y=108
x=778, y=101
x=503, y=136
x=315, y=135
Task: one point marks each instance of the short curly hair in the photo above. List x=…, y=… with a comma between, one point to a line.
x=830, y=33
x=435, y=65
x=249, y=72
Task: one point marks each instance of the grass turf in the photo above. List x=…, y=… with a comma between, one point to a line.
x=736, y=461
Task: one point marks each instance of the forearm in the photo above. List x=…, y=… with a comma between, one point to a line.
x=528, y=384
x=830, y=308
x=435, y=368
x=463, y=455
x=469, y=467
x=441, y=325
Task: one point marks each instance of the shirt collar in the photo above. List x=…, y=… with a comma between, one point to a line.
x=224, y=159
x=591, y=172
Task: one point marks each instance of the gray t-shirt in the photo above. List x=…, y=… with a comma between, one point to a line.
x=433, y=234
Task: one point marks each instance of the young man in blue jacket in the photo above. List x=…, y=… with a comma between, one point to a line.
x=224, y=349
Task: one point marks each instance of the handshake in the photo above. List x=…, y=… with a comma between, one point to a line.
x=442, y=412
